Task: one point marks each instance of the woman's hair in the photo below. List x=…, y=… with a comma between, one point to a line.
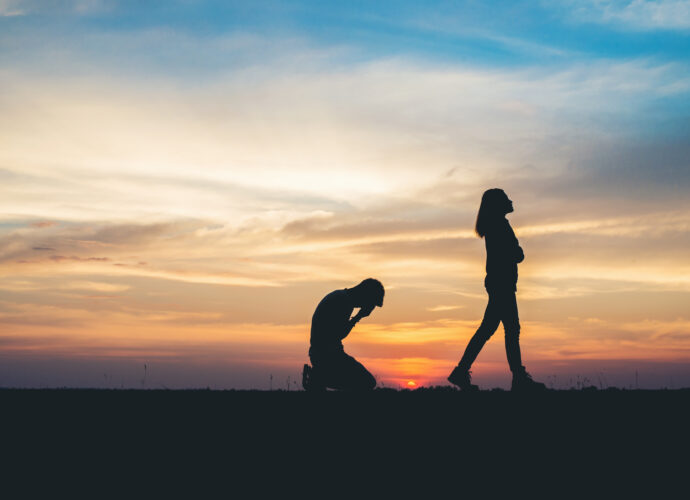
x=491, y=209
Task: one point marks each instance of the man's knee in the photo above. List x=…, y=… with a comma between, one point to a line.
x=361, y=379
x=361, y=384
x=345, y=374
x=368, y=382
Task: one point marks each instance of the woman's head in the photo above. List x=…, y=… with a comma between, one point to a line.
x=495, y=204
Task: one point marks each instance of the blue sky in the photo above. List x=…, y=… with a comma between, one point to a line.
x=491, y=33
x=182, y=38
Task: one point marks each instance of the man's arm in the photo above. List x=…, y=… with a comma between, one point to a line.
x=362, y=313
x=350, y=325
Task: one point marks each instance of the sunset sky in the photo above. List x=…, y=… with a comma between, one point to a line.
x=183, y=181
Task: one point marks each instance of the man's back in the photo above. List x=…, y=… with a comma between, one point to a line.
x=329, y=324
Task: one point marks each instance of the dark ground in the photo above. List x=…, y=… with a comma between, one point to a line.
x=425, y=441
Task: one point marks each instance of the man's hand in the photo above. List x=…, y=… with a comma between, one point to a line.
x=364, y=312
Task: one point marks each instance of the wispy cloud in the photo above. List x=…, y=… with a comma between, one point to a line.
x=11, y=8
x=635, y=14
x=364, y=140
x=95, y=286
x=442, y=308
x=27, y=7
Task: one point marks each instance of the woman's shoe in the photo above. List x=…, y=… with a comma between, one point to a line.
x=522, y=381
x=461, y=377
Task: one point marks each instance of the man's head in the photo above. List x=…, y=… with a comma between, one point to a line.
x=369, y=293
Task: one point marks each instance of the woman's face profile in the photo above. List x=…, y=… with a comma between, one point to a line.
x=509, y=205
x=506, y=204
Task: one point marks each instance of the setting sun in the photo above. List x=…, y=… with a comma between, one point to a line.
x=411, y=383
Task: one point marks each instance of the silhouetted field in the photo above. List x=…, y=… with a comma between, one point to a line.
x=335, y=437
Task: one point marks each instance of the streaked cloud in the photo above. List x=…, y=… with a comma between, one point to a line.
x=636, y=14
x=95, y=286
x=12, y=8
x=442, y=308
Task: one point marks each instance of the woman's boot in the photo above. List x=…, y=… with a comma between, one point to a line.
x=522, y=381
x=461, y=377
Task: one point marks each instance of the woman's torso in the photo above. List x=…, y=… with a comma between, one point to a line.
x=502, y=256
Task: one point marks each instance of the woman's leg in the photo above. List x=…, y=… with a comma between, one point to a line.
x=522, y=381
x=511, y=325
x=492, y=319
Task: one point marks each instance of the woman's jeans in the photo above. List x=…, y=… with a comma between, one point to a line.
x=502, y=307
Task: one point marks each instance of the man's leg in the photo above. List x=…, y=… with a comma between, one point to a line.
x=348, y=374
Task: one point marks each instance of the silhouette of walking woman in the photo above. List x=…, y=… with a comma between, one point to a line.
x=503, y=253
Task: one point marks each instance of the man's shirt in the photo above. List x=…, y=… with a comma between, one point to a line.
x=330, y=322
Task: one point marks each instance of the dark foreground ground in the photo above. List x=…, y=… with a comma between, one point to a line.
x=423, y=441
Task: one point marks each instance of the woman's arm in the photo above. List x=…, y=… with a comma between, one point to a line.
x=518, y=254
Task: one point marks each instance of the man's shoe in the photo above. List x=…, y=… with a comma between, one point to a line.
x=306, y=371
x=522, y=381
x=461, y=378
x=309, y=381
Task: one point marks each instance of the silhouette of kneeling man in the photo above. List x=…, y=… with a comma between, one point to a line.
x=331, y=323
